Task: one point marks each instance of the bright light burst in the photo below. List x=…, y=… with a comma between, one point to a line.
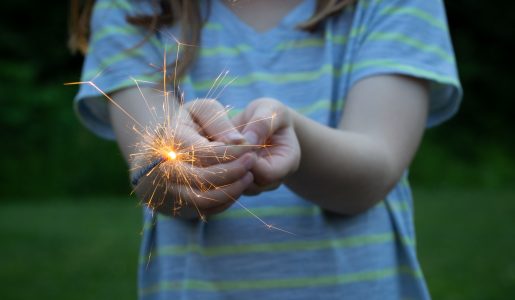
x=172, y=155
x=163, y=158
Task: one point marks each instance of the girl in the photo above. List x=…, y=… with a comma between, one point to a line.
x=350, y=86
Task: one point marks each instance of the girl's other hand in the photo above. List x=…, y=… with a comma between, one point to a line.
x=268, y=124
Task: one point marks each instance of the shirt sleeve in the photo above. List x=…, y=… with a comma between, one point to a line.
x=409, y=37
x=118, y=53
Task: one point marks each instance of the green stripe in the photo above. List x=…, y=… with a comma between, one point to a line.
x=233, y=112
x=287, y=45
x=113, y=5
x=405, y=181
x=297, y=77
x=324, y=104
x=358, y=31
x=279, y=283
x=415, y=12
x=154, y=78
x=208, y=52
x=407, y=241
x=127, y=31
x=272, y=211
x=129, y=82
x=269, y=211
x=267, y=77
x=398, y=206
x=106, y=62
x=368, y=3
x=228, y=51
x=348, y=242
x=129, y=53
x=113, y=30
x=213, y=26
x=284, y=46
x=404, y=39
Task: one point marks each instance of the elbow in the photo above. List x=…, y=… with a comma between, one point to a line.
x=375, y=191
x=365, y=193
x=352, y=205
x=360, y=202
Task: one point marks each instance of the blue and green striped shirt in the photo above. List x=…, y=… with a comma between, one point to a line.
x=233, y=256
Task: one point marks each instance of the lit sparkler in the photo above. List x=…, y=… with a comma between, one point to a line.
x=162, y=152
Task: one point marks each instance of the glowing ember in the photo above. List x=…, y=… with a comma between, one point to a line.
x=172, y=155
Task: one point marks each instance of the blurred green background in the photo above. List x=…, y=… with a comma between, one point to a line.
x=67, y=223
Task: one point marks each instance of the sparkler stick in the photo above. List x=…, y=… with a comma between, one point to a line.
x=146, y=170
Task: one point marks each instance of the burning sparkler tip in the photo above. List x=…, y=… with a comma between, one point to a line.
x=172, y=155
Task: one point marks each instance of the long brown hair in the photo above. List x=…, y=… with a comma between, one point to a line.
x=186, y=13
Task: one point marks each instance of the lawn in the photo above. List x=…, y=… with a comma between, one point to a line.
x=87, y=249
x=466, y=242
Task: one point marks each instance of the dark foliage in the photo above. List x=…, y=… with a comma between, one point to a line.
x=46, y=152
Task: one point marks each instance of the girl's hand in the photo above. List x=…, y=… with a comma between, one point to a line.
x=268, y=124
x=208, y=174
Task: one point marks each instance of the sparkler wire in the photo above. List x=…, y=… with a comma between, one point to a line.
x=144, y=171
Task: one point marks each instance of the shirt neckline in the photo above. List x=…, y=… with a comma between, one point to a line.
x=287, y=25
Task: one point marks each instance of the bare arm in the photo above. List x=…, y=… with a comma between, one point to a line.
x=348, y=169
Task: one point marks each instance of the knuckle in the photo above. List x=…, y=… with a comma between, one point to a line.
x=264, y=180
x=211, y=104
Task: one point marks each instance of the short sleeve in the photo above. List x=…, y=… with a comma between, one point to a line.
x=409, y=37
x=117, y=53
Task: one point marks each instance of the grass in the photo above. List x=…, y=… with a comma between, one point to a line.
x=87, y=249
x=69, y=249
x=466, y=242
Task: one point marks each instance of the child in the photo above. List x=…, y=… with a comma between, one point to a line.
x=351, y=86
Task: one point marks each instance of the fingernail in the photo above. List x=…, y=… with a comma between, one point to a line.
x=235, y=138
x=251, y=138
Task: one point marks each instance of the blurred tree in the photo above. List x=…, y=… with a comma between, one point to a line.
x=475, y=147
x=46, y=152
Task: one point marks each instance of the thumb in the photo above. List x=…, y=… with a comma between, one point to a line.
x=262, y=119
x=212, y=117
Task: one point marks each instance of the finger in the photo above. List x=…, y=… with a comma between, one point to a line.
x=204, y=154
x=211, y=177
x=217, y=209
x=216, y=197
x=252, y=190
x=278, y=161
x=183, y=137
x=238, y=120
x=271, y=169
x=218, y=153
x=255, y=189
x=213, y=119
x=181, y=199
x=263, y=118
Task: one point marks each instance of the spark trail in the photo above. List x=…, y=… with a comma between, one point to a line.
x=166, y=160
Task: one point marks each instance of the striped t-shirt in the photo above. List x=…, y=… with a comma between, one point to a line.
x=232, y=255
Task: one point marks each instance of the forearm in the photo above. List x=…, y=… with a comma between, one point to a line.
x=349, y=169
x=133, y=113
x=341, y=171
